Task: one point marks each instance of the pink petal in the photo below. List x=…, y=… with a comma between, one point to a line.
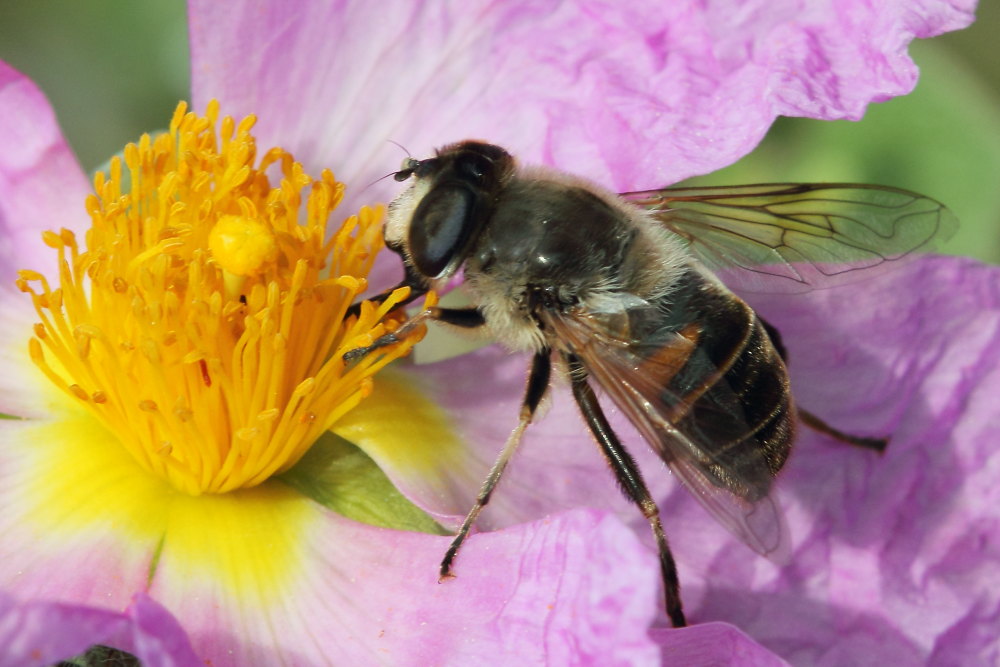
x=23, y=390
x=557, y=467
x=899, y=554
x=53, y=552
x=713, y=644
x=895, y=557
x=42, y=633
x=41, y=184
x=634, y=95
x=371, y=595
x=268, y=575
x=971, y=641
x=38, y=632
x=155, y=637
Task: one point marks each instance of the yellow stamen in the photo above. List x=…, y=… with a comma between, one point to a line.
x=204, y=322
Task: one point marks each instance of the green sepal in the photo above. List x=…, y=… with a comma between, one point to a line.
x=341, y=477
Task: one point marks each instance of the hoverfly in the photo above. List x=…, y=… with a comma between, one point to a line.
x=620, y=289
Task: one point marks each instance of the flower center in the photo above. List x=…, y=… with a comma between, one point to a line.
x=204, y=324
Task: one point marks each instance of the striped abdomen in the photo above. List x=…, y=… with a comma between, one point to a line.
x=727, y=387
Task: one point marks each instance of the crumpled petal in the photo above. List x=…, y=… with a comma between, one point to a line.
x=634, y=95
x=38, y=632
x=712, y=644
x=900, y=553
x=896, y=558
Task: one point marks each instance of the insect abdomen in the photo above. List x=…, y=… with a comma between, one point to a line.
x=731, y=394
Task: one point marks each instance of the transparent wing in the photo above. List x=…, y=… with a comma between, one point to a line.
x=781, y=237
x=635, y=385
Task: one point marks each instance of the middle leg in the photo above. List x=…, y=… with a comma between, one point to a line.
x=629, y=480
x=538, y=385
x=467, y=318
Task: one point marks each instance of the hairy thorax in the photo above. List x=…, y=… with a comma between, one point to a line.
x=553, y=243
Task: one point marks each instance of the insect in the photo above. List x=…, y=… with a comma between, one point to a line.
x=620, y=290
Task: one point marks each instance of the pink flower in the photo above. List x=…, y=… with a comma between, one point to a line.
x=102, y=501
x=635, y=97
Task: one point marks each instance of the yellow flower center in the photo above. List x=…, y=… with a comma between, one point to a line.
x=204, y=324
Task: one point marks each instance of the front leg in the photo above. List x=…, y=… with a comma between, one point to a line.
x=418, y=287
x=467, y=318
x=538, y=386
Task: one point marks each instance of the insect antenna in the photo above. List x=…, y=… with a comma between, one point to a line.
x=394, y=174
x=404, y=149
x=380, y=178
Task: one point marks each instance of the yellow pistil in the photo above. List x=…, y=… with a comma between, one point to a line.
x=204, y=322
x=242, y=246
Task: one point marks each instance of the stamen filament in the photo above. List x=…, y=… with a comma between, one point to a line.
x=204, y=323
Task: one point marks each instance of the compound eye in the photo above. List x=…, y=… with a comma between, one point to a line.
x=440, y=228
